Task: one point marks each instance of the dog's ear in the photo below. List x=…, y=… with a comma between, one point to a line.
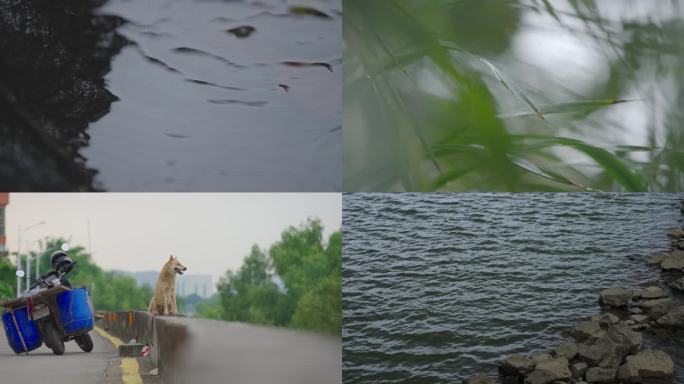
x=170, y=257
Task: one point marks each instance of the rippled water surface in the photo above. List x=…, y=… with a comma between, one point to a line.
x=222, y=95
x=438, y=287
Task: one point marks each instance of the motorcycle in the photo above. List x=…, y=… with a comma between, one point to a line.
x=50, y=312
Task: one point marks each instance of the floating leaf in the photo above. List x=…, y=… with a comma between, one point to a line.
x=242, y=31
x=303, y=10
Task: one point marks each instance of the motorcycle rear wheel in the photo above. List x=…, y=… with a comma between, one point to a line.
x=85, y=342
x=53, y=339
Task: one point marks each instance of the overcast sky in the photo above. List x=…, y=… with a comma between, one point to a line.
x=209, y=233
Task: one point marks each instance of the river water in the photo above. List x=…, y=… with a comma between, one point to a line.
x=438, y=287
x=222, y=96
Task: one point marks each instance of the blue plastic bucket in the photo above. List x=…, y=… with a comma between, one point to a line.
x=22, y=332
x=75, y=311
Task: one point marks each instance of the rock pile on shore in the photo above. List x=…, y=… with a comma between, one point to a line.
x=609, y=347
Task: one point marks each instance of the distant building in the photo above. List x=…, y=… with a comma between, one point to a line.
x=186, y=285
x=4, y=200
x=200, y=285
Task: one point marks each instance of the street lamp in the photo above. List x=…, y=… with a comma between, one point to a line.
x=20, y=232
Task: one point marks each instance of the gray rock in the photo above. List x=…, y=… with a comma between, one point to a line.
x=640, y=327
x=646, y=365
x=674, y=318
x=609, y=350
x=676, y=233
x=585, y=330
x=541, y=357
x=677, y=284
x=656, y=258
x=600, y=375
x=602, y=352
x=479, y=379
x=640, y=319
x=516, y=365
x=626, y=337
x=579, y=369
x=657, y=307
x=549, y=370
x=615, y=297
x=674, y=260
x=569, y=350
x=636, y=310
x=678, y=244
x=606, y=319
x=652, y=292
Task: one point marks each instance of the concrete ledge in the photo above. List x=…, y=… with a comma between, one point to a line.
x=187, y=350
x=130, y=350
x=164, y=338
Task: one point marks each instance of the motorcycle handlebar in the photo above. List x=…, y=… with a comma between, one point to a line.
x=41, y=279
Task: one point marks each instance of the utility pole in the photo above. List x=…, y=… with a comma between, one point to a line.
x=20, y=273
x=18, y=261
x=90, y=247
x=40, y=245
x=28, y=270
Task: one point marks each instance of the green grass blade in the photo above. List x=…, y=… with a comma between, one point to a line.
x=548, y=173
x=614, y=167
x=573, y=106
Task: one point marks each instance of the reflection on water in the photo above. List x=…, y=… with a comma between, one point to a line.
x=514, y=95
x=222, y=95
x=171, y=95
x=438, y=287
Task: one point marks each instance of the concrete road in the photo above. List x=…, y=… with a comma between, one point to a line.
x=102, y=365
x=238, y=353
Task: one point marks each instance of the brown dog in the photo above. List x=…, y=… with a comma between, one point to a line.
x=164, y=300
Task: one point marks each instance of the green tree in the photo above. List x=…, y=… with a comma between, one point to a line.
x=250, y=295
x=7, y=278
x=320, y=309
x=296, y=284
x=312, y=274
x=209, y=309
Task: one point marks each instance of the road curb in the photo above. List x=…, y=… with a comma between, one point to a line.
x=163, y=334
x=130, y=369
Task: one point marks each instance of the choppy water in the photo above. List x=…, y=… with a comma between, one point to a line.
x=222, y=95
x=438, y=287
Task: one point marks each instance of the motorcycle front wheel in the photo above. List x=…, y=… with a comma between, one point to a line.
x=85, y=342
x=53, y=339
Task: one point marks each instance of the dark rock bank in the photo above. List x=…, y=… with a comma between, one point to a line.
x=53, y=56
